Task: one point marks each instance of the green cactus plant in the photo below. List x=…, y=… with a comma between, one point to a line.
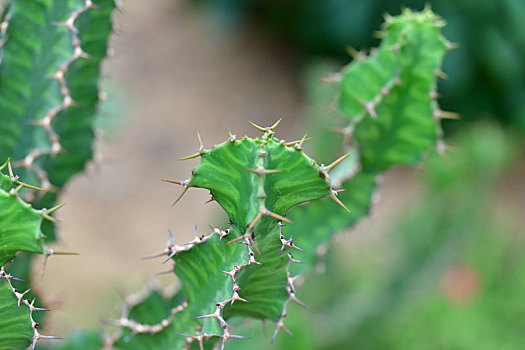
x=390, y=100
x=20, y=231
x=50, y=57
x=248, y=268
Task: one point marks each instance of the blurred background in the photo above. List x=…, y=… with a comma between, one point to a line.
x=439, y=264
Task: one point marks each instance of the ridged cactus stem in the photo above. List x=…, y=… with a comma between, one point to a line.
x=20, y=297
x=389, y=98
x=243, y=270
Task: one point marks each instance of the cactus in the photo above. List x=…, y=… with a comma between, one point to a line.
x=20, y=231
x=248, y=268
x=50, y=61
x=50, y=56
x=389, y=98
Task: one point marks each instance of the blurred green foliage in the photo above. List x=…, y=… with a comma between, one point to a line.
x=487, y=74
x=450, y=275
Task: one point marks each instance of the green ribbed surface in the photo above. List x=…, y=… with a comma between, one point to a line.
x=400, y=78
x=19, y=224
x=402, y=131
x=15, y=324
x=35, y=49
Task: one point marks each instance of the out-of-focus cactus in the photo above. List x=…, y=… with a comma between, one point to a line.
x=389, y=98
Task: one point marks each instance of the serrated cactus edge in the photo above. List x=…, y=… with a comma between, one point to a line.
x=20, y=230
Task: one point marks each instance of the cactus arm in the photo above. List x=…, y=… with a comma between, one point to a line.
x=50, y=55
x=241, y=271
x=401, y=122
x=49, y=69
x=394, y=119
x=15, y=323
x=20, y=230
x=19, y=222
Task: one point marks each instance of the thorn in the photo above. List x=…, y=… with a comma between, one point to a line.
x=191, y=157
x=2, y=167
x=49, y=218
x=448, y=115
x=260, y=128
x=32, y=187
x=280, y=325
x=298, y=142
x=55, y=208
x=201, y=145
x=276, y=124
x=352, y=52
x=294, y=298
x=254, y=222
x=334, y=197
x=235, y=240
x=277, y=216
x=174, y=182
x=252, y=241
x=152, y=256
x=336, y=162
x=59, y=252
x=180, y=196
x=10, y=168
x=48, y=337
x=209, y=200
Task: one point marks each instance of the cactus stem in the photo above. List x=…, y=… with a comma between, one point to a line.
x=138, y=328
x=30, y=305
